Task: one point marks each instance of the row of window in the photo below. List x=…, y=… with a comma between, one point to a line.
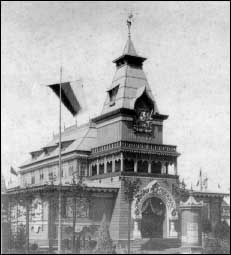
x=128, y=166
x=52, y=173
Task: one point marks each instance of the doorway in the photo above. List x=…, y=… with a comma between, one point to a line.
x=153, y=215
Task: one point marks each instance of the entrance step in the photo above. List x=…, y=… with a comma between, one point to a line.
x=136, y=245
x=167, y=251
x=160, y=244
x=156, y=246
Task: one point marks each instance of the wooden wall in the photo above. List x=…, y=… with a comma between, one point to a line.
x=122, y=129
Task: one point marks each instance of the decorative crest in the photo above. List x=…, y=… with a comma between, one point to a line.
x=129, y=24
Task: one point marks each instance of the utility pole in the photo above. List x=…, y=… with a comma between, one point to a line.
x=60, y=170
x=27, y=226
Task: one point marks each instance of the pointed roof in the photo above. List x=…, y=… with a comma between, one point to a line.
x=129, y=48
x=77, y=138
x=130, y=54
x=130, y=81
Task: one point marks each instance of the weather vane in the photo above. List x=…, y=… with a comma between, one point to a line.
x=129, y=24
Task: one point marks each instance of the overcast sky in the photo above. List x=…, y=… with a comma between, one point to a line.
x=187, y=45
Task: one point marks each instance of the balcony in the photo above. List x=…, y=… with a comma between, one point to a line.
x=159, y=149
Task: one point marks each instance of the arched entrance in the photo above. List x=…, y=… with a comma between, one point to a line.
x=152, y=200
x=153, y=215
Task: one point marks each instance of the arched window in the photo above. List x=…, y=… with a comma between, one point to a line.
x=142, y=166
x=109, y=167
x=101, y=168
x=144, y=104
x=156, y=167
x=94, y=170
x=117, y=165
x=128, y=165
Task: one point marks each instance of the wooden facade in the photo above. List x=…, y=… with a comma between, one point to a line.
x=125, y=141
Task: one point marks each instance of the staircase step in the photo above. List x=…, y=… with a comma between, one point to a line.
x=160, y=244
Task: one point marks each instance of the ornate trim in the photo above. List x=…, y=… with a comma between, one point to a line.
x=154, y=189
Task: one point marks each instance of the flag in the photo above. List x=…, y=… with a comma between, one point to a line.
x=198, y=182
x=72, y=95
x=205, y=182
x=12, y=171
x=219, y=186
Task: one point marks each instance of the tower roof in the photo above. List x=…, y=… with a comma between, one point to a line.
x=130, y=54
x=129, y=48
x=129, y=82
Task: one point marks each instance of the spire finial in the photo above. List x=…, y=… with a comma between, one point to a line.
x=129, y=24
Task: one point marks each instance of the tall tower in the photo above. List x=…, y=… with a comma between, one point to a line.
x=129, y=82
x=130, y=123
x=130, y=143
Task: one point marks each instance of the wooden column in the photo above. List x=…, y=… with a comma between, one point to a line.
x=97, y=164
x=113, y=164
x=167, y=167
x=175, y=168
x=149, y=166
x=90, y=170
x=105, y=165
x=163, y=167
x=121, y=162
x=135, y=165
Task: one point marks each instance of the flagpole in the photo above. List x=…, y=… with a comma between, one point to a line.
x=201, y=187
x=60, y=170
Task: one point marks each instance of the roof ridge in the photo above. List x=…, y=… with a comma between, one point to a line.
x=71, y=128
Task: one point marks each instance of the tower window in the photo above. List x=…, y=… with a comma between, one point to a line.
x=112, y=95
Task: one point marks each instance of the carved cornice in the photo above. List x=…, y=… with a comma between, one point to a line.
x=135, y=147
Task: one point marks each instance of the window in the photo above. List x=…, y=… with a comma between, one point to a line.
x=33, y=179
x=55, y=170
x=94, y=170
x=101, y=168
x=50, y=175
x=64, y=170
x=64, y=207
x=41, y=176
x=70, y=170
x=117, y=165
x=112, y=95
x=83, y=167
x=128, y=165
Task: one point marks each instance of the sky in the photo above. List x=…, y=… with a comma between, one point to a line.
x=188, y=68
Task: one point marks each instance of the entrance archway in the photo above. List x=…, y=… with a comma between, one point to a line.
x=153, y=216
x=159, y=193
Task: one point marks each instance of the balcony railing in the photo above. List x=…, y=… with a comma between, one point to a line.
x=133, y=145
